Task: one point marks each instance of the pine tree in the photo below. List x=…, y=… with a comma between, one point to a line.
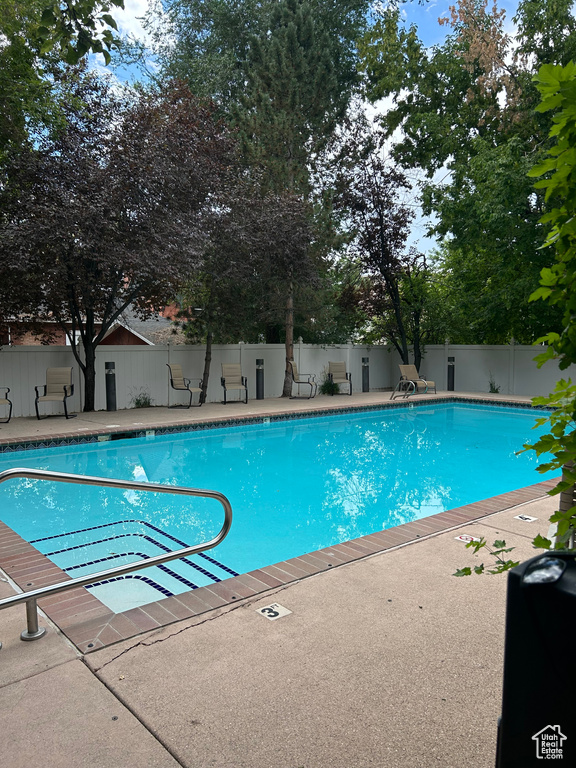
x=290, y=108
x=292, y=102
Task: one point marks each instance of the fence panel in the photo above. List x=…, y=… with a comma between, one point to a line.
x=142, y=369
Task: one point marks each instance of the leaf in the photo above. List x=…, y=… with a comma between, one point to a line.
x=463, y=572
x=110, y=20
x=540, y=542
x=541, y=168
x=504, y=566
x=48, y=18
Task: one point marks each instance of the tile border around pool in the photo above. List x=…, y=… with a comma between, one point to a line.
x=106, y=434
x=91, y=625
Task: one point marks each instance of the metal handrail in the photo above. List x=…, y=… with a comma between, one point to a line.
x=33, y=632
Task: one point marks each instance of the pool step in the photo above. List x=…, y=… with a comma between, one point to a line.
x=201, y=567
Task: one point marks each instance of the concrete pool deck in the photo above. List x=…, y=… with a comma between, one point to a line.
x=387, y=660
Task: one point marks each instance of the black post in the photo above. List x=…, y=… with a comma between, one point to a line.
x=259, y=378
x=537, y=723
x=450, y=374
x=365, y=374
x=110, y=386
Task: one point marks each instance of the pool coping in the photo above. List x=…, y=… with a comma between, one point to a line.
x=90, y=625
x=104, y=434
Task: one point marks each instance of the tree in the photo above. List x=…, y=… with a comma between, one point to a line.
x=284, y=73
x=467, y=106
x=254, y=243
x=490, y=258
x=209, y=41
x=110, y=212
x=291, y=102
x=26, y=80
x=78, y=27
x=557, y=86
x=422, y=308
x=288, y=113
x=367, y=196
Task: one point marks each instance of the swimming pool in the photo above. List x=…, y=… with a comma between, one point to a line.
x=295, y=486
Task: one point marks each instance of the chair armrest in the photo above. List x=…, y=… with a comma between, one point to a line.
x=68, y=387
x=200, y=384
x=348, y=376
x=245, y=381
x=6, y=389
x=330, y=377
x=39, y=387
x=186, y=382
x=223, y=381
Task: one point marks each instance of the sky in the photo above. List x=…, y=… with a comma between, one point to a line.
x=425, y=16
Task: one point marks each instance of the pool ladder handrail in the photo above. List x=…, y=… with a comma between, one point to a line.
x=33, y=632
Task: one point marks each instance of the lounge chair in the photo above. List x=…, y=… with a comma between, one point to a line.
x=309, y=379
x=58, y=389
x=232, y=379
x=5, y=401
x=337, y=375
x=181, y=384
x=412, y=383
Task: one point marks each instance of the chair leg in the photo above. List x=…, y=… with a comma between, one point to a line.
x=68, y=416
x=5, y=421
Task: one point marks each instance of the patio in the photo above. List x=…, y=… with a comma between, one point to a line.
x=387, y=660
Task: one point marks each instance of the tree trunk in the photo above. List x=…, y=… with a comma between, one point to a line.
x=416, y=342
x=394, y=293
x=207, y=361
x=89, y=377
x=289, y=341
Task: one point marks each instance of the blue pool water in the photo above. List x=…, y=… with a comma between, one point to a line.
x=295, y=486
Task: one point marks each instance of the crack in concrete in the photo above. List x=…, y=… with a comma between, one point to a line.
x=246, y=603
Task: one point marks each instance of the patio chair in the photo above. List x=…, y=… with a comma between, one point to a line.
x=412, y=383
x=232, y=379
x=308, y=379
x=182, y=384
x=5, y=401
x=58, y=389
x=337, y=374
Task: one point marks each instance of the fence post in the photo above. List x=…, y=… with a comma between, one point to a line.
x=511, y=367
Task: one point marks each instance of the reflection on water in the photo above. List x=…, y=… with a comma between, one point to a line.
x=295, y=486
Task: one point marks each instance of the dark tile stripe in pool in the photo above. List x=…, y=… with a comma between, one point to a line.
x=90, y=625
x=140, y=556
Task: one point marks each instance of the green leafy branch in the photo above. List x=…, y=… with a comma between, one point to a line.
x=79, y=27
x=498, y=549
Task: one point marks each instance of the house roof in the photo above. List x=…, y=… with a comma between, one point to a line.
x=155, y=329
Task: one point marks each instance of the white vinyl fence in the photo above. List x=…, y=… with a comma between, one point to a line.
x=142, y=369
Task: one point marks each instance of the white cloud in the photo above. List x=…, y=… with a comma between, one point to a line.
x=129, y=19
